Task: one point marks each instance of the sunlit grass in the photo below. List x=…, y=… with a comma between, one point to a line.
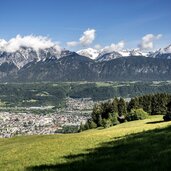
x=21, y=152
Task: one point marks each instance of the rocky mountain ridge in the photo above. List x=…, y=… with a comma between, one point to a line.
x=27, y=64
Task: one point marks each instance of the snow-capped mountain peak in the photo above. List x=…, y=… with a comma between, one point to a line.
x=163, y=53
x=108, y=56
x=167, y=49
x=89, y=52
x=24, y=55
x=105, y=55
x=133, y=52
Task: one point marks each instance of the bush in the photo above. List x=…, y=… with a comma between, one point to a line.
x=136, y=114
x=106, y=123
x=167, y=117
x=114, y=120
x=92, y=125
x=86, y=126
x=121, y=119
x=82, y=128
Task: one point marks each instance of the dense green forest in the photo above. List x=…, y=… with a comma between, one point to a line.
x=113, y=112
x=54, y=94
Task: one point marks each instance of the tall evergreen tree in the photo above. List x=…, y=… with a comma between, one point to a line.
x=158, y=104
x=163, y=101
x=115, y=105
x=167, y=117
x=122, y=107
x=146, y=103
x=96, y=113
x=99, y=120
x=81, y=127
x=107, y=107
x=154, y=105
x=133, y=104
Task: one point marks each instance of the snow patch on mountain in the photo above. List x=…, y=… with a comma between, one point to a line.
x=166, y=49
x=106, y=54
x=89, y=52
x=163, y=53
x=24, y=55
x=133, y=52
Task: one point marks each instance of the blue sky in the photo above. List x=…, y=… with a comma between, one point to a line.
x=66, y=20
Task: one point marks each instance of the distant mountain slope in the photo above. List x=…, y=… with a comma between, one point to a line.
x=7, y=71
x=133, y=68
x=79, y=68
x=71, y=68
x=108, y=56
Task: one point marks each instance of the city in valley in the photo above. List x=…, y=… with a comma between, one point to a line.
x=17, y=124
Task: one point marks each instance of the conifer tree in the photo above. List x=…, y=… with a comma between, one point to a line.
x=133, y=104
x=99, y=120
x=107, y=108
x=97, y=112
x=115, y=105
x=167, y=117
x=81, y=127
x=146, y=103
x=122, y=107
x=163, y=103
x=92, y=125
x=158, y=104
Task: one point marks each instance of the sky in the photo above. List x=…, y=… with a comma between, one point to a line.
x=76, y=24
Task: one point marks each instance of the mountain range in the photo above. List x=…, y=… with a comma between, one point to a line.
x=28, y=65
x=105, y=55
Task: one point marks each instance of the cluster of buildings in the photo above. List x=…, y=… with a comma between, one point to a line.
x=79, y=104
x=15, y=124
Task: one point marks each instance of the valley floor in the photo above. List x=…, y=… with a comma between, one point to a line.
x=137, y=145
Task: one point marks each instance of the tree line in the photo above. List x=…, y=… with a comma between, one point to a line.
x=118, y=110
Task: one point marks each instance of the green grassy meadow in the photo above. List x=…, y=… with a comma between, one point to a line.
x=137, y=145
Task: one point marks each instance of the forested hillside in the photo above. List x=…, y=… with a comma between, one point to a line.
x=113, y=112
x=54, y=94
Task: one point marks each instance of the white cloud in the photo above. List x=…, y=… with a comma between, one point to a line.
x=2, y=43
x=159, y=36
x=147, y=41
x=87, y=37
x=72, y=44
x=97, y=47
x=115, y=47
x=35, y=42
x=85, y=40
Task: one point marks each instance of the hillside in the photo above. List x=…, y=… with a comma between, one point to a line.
x=136, y=145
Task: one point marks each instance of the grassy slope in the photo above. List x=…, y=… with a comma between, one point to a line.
x=118, y=147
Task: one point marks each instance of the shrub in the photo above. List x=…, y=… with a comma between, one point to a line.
x=167, y=117
x=114, y=120
x=106, y=123
x=82, y=128
x=86, y=126
x=136, y=114
x=92, y=125
x=121, y=119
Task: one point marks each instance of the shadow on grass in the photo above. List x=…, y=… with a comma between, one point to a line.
x=149, y=150
x=155, y=122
